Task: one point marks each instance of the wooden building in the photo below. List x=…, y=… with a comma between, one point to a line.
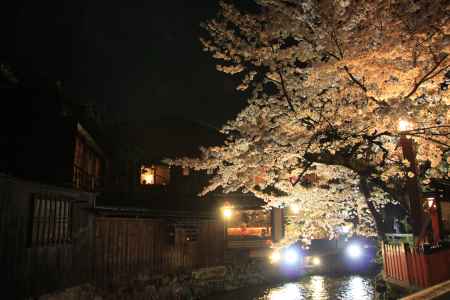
x=140, y=179
x=46, y=138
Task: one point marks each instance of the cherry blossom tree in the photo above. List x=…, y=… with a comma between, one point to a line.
x=327, y=83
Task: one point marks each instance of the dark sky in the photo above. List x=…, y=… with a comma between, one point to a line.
x=138, y=59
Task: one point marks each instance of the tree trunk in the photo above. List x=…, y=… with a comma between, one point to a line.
x=366, y=190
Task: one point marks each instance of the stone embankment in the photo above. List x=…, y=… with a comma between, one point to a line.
x=181, y=285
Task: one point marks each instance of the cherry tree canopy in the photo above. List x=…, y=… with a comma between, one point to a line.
x=327, y=83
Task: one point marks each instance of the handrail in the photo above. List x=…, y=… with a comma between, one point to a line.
x=438, y=291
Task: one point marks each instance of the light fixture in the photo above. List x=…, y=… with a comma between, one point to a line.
x=275, y=257
x=316, y=261
x=430, y=202
x=291, y=256
x=354, y=251
x=295, y=208
x=227, y=210
x=404, y=125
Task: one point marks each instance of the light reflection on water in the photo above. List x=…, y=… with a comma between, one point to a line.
x=323, y=288
x=310, y=288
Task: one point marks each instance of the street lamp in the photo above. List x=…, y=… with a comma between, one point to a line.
x=435, y=220
x=295, y=208
x=404, y=125
x=227, y=211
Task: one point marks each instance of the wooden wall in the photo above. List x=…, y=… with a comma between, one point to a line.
x=32, y=270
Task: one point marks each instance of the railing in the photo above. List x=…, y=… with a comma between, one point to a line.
x=85, y=181
x=399, y=238
x=412, y=266
x=240, y=244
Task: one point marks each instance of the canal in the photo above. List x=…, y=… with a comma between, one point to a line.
x=316, y=287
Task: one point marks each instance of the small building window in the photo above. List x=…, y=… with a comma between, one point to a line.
x=147, y=175
x=155, y=175
x=50, y=220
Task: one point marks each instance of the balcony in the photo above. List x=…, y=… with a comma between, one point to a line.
x=84, y=181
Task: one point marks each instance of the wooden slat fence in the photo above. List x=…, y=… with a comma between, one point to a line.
x=410, y=266
x=127, y=247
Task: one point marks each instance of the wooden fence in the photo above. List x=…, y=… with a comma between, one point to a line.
x=410, y=266
x=126, y=247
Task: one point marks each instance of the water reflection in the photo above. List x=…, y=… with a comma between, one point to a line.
x=289, y=291
x=309, y=288
x=357, y=288
x=317, y=288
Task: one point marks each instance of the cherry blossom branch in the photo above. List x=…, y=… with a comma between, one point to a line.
x=363, y=87
x=286, y=95
x=429, y=75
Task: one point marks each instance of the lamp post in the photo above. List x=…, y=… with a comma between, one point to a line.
x=435, y=220
x=412, y=184
x=227, y=214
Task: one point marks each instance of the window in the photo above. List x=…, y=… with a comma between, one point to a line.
x=155, y=175
x=50, y=220
x=250, y=224
x=147, y=175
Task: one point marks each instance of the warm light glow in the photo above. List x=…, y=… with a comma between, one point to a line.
x=404, y=125
x=354, y=251
x=430, y=202
x=147, y=175
x=275, y=257
x=316, y=261
x=291, y=256
x=295, y=208
x=227, y=212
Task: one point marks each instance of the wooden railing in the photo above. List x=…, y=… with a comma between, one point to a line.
x=85, y=181
x=412, y=266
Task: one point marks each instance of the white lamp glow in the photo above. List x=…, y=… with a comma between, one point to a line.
x=295, y=208
x=291, y=256
x=404, y=125
x=354, y=251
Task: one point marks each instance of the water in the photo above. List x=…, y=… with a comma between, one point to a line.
x=309, y=288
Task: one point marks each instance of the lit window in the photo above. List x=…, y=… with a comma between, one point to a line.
x=147, y=175
x=155, y=175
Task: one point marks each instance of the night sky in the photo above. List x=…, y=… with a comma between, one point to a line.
x=137, y=60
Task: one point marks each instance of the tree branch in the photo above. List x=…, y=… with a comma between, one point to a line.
x=429, y=75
